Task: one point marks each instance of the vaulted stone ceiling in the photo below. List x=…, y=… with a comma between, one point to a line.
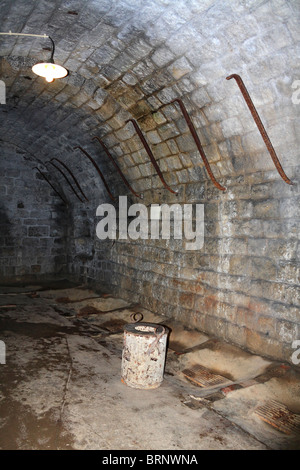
x=127, y=59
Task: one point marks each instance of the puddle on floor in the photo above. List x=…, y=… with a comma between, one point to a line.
x=19, y=290
x=69, y=294
x=85, y=301
x=21, y=429
x=34, y=330
x=41, y=285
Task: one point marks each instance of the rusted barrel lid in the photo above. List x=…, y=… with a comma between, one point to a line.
x=144, y=329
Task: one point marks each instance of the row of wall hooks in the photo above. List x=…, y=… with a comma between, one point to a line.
x=196, y=138
x=65, y=177
x=72, y=176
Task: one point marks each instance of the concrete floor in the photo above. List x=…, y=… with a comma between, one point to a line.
x=61, y=385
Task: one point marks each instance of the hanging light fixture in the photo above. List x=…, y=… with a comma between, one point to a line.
x=48, y=70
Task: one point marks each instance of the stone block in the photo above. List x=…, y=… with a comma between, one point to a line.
x=158, y=117
x=237, y=334
x=263, y=268
x=261, y=344
x=168, y=131
x=288, y=272
x=35, y=268
x=290, y=208
x=180, y=68
x=200, y=98
x=153, y=137
x=266, y=209
x=183, y=176
x=283, y=249
x=231, y=126
x=287, y=331
x=108, y=109
x=146, y=169
x=185, y=143
x=174, y=163
x=38, y=231
x=186, y=300
x=126, y=132
x=139, y=49
x=216, y=326
x=162, y=56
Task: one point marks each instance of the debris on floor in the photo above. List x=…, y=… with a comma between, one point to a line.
x=61, y=384
x=204, y=377
x=279, y=416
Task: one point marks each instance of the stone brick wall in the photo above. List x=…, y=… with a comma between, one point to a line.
x=243, y=285
x=32, y=221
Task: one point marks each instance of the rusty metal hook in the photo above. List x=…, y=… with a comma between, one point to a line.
x=45, y=177
x=158, y=335
x=98, y=170
x=134, y=315
x=151, y=156
x=72, y=175
x=260, y=126
x=66, y=178
x=116, y=166
x=198, y=143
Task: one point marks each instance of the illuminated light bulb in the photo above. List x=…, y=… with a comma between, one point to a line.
x=49, y=71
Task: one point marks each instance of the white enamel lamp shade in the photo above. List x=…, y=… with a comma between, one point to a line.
x=49, y=71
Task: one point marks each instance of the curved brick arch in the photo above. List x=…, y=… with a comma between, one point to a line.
x=129, y=60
